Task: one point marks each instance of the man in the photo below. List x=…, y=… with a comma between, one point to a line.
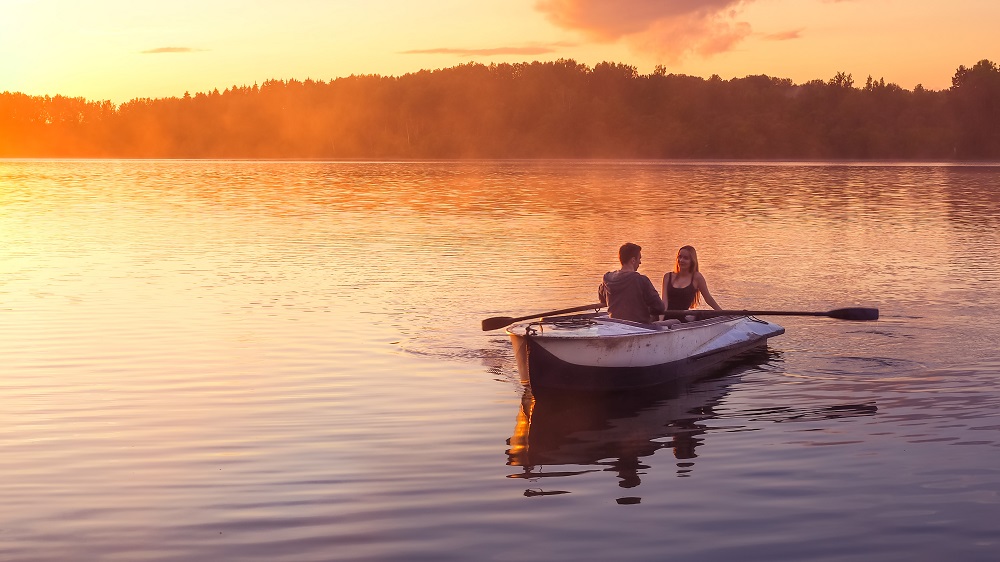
x=628, y=294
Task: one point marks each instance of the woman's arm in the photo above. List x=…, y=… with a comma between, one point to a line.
x=702, y=287
x=666, y=279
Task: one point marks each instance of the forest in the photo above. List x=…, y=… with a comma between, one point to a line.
x=559, y=109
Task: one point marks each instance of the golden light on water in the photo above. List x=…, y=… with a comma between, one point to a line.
x=255, y=356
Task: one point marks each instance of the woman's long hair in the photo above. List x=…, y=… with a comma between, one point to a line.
x=694, y=269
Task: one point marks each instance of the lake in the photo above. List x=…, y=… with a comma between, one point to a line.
x=242, y=360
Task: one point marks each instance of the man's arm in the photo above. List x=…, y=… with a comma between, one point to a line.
x=652, y=298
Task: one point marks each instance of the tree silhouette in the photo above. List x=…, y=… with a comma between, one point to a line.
x=975, y=95
x=559, y=109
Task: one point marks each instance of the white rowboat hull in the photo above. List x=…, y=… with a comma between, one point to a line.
x=597, y=353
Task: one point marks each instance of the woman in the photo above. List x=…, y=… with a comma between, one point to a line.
x=682, y=286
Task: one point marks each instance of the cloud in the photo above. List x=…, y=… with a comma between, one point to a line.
x=785, y=35
x=159, y=50
x=528, y=50
x=672, y=29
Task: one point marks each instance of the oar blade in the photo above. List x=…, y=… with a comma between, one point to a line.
x=859, y=314
x=497, y=322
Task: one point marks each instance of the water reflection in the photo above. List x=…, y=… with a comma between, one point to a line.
x=620, y=433
x=782, y=414
x=614, y=433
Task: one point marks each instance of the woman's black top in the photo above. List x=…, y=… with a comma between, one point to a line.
x=679, y=298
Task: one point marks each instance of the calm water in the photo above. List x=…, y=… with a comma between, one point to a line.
x=283, y=361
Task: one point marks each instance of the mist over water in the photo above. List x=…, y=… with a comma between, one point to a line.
x=283, y=360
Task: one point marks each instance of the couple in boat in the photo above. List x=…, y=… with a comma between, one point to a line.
x=629, y=295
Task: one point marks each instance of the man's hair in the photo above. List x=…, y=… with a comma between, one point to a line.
x=628, y=251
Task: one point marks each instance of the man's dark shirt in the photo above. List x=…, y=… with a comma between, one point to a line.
x=629, y=295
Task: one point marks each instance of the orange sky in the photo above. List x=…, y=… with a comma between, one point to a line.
x=123, y=49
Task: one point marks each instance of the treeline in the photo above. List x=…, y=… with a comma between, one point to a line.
x=559, y=109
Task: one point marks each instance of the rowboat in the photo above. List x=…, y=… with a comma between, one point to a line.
x=593, y=352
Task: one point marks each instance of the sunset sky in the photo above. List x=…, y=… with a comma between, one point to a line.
x=122, y=49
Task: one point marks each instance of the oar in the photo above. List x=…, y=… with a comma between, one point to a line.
x=839, y=314
x=503, y=321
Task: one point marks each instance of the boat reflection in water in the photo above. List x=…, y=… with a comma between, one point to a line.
x=612, y=432
x=563, y=434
